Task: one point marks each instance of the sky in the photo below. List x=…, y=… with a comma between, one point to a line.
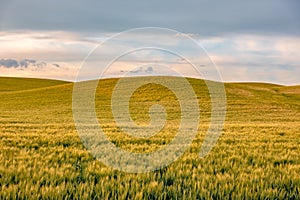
x=253, y=41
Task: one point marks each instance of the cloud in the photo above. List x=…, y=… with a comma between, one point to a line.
x=140, y=70
x=49, y=46
x=39, y=69
x=149, y=69
x=240, y=57
x=25, y=63
x=40, y=65
x=200, y=17
x=273, y=59
x=184, y=35
x=9, y=63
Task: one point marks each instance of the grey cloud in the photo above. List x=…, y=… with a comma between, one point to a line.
x=40, y=64
x=140, y=70
x=9, y=63
x=23, y=63
x=149, y=69
x=30, y=61
x=12, y=63
x=26, y=62
x=190, y=16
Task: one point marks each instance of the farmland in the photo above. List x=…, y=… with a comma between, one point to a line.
x=42, y=156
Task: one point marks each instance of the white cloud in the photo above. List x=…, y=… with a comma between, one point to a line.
x=256, y=58
x=241, y=57
x=62, y=46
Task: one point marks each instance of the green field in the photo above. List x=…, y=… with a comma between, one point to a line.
x=42, y=157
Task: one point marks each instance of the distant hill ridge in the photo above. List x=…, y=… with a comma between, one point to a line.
x=14, y=84
x=9, y=84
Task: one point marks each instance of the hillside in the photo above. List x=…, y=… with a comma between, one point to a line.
x=41, y=154
x=18, y=84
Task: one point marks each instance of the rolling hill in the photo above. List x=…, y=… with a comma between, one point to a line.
x=41, y=154
x=8, y=84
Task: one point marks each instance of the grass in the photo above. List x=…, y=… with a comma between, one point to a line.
x=42, y=157
x=8, y=84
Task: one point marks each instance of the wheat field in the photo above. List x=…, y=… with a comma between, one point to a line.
x=42, y=156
